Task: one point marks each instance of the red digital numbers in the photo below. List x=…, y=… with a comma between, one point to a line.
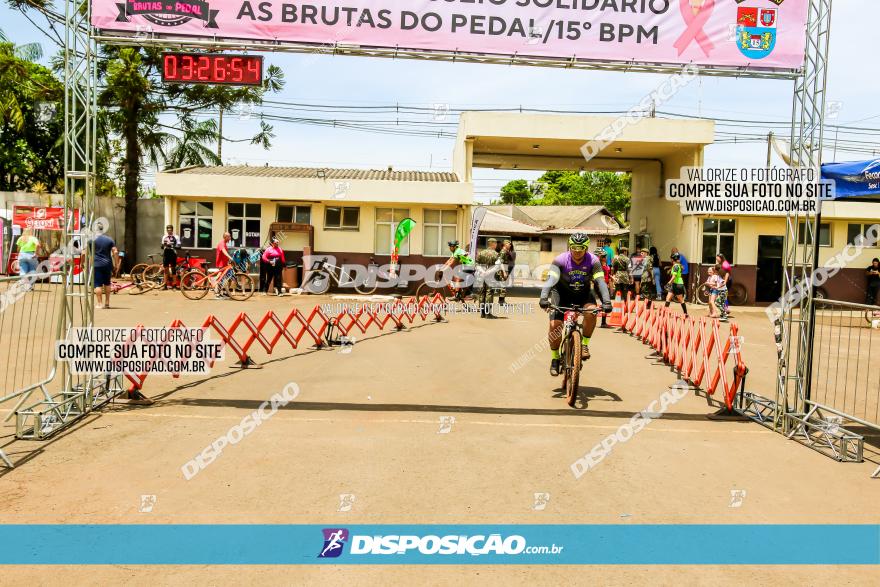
x=212, y=69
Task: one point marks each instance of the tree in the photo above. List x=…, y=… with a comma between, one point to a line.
x=570, y=188
x=31, y=126
x=516, y=192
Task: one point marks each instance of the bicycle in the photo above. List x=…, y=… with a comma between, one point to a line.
x=871, y=315
x=571, y=348
x=448, y=289
x=239, y=286
x=323, y=272
x=737, y=294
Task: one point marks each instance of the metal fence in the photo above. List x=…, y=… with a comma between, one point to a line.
x=843, y=403
x=843, y=377
x=29, y=320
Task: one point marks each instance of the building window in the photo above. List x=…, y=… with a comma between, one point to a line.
x=440, y=228
x=854, y=230
x=718, y=237
x=387, y=220
x=295, y=214
x=243, y=223
x=196, y=224
x=342, y=218
x=824, y=235
x=546, y=245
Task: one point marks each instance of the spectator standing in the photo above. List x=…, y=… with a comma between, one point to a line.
x=655, y=268
x=727, y=276
x=637, y=262
x=28, y=246
x=105, y=259
x=620, y=272
x=170, y=244
x=508, y=263
x=609, y=252
x=603, y=260
x=873, y=275
x=273, y=256
x=221, y=260
x=486, y=261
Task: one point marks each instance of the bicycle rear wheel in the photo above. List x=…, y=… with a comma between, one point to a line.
x=137, y=272
x=703, y=294
x=427, y=289
x=194, y=285
x=573, y=367
x=240, y=286
x=738, y=295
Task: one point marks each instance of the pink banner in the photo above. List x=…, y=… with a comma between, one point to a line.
x=756, y=33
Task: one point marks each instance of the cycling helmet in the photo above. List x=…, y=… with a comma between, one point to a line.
x=579, y=239
x=675, y=256
x=452, y=244
x=600, y=252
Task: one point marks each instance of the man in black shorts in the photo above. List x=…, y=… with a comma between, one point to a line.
x=170, y=244
x=106, y=257
x=570, y=281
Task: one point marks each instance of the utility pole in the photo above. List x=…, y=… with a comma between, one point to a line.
x=769, y=147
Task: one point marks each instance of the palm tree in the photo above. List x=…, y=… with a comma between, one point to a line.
x=13, y=73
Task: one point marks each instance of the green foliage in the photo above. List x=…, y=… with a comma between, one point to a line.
x=31, y=123
x=570, y=188
x=516, y=192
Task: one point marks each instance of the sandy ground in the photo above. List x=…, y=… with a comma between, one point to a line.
x=367, y=423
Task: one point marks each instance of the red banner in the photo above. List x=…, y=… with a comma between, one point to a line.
x=43, y=218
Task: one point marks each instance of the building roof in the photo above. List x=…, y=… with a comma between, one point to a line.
x=551, y=220
x=315, y=172
x=496, y=223
x=549, y=217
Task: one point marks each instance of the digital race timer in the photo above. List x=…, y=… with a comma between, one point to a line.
x=212, y=68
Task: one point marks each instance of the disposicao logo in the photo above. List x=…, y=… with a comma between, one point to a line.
x=334, y=541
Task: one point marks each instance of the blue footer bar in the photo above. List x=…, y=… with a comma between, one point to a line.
x=659, y=544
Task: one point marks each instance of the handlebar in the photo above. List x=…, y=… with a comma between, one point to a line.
x=595, y=311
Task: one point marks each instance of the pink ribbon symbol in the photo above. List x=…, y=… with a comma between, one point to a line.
x=695, y=24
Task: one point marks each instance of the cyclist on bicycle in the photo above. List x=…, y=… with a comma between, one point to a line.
x=460, y=257
x=570, y=282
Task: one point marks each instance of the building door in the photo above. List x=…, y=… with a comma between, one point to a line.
x=768, y=284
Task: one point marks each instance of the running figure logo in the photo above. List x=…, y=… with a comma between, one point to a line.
x=334, y=540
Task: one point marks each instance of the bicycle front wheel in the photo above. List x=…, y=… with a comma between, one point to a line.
x=573, y=367
x=154, y=276
x=240, y=286
x=365, y=289
x=194, y=285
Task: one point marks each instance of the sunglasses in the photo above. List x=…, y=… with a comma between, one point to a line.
x=577, y=248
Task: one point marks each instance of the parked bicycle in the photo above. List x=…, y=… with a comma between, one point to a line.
x=324, y=273
x=570, y=349
x=737, y=294
x=196, y=283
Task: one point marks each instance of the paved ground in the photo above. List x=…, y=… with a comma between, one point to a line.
x=367, y=424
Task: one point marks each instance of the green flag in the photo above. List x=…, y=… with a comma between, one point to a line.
x=403, y=229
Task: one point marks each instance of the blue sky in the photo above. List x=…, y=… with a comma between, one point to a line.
x=357, y=80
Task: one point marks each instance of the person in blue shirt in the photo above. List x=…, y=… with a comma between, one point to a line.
x=105, y=259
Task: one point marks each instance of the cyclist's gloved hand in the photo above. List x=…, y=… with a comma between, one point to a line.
x=607, y=307
x=544, y=303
